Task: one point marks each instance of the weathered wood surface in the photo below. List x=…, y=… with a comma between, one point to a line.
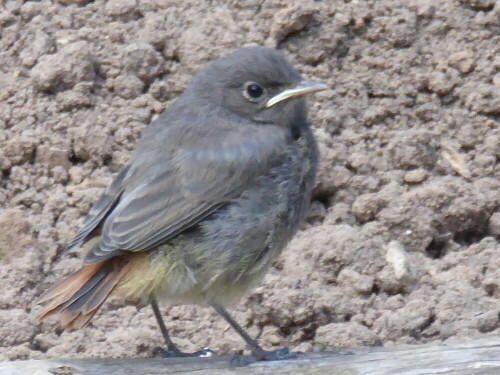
x=474, y=357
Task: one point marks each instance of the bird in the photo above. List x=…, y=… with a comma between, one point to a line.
x=217, y=186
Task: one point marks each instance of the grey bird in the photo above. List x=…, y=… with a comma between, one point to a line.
x=216, y=188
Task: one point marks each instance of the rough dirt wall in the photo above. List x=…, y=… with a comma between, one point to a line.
x=402, y=243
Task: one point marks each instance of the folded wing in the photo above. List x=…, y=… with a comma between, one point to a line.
x=197, y=179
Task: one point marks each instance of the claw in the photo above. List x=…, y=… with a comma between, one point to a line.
x=242, y=360
x=275, y=355
x=165, y=353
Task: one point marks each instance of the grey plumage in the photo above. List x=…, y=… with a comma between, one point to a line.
x=198, y=156
x=216, y=188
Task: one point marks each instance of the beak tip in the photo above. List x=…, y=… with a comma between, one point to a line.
x=302, y=88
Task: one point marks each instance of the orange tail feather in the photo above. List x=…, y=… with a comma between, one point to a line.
x=77, y=298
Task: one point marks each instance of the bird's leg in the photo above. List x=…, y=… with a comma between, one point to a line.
x=172, y=350
x=258, y=354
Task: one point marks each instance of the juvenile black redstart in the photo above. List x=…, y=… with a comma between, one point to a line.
x=215, y=190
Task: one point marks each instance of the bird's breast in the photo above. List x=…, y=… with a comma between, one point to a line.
x=230, y=250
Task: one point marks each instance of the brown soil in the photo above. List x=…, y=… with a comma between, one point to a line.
x=402, y=243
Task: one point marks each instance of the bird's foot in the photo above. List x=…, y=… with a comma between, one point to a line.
x=264, y=355
x=176, y=353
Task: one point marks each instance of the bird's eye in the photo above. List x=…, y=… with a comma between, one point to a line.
x=253, y=91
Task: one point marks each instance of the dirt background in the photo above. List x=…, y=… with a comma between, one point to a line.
x=402, y=242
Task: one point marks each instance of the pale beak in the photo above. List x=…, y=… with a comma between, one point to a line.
x=302, y=88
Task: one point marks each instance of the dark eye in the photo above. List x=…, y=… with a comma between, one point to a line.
x=253, y=91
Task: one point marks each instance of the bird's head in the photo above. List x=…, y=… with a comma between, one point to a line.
x=256, y=83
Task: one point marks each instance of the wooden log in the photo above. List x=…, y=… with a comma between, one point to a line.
x=473, y=357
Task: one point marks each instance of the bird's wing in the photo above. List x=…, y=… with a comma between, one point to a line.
x=101, y=209
x=202, y=175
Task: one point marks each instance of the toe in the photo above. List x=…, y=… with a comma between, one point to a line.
x=242, y=360
x=165, y=353
x=282, y=353
x=204, y=353
x=278, y=354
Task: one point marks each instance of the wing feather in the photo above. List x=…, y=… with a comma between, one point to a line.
x=194, y=180
x=101, y=209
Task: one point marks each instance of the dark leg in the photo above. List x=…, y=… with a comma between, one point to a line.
x=258, y=353
x=172, y=350
x=170, y=345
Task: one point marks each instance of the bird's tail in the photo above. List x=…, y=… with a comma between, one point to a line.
x=77, y=298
